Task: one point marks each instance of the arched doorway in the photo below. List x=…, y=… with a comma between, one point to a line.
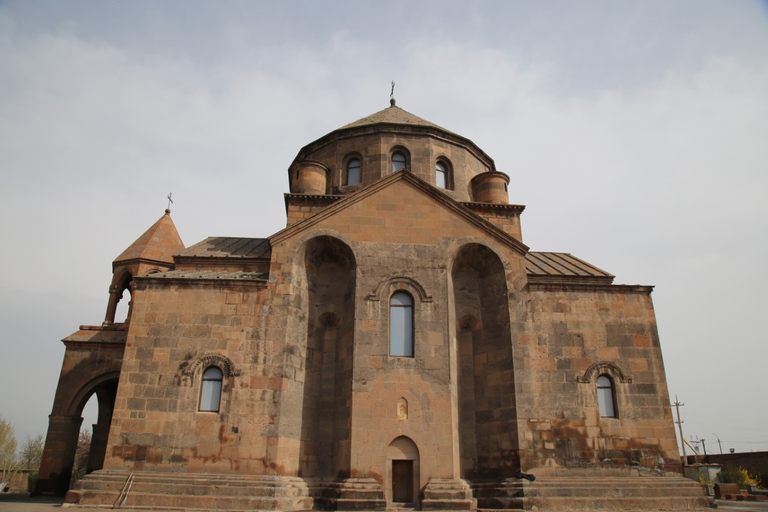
x=402, y=471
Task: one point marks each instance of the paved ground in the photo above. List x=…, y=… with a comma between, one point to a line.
x=23, y=503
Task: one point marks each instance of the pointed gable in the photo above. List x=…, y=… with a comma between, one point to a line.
x=159, y=243
x=397, y=208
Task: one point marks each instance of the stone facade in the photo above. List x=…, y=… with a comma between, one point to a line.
x=318, y=407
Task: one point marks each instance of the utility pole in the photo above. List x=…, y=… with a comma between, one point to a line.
x=718, y=444
x=679, y=422
x=704, y=446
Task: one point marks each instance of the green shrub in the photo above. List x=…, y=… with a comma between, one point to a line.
x=31, y=481
x=726, y=477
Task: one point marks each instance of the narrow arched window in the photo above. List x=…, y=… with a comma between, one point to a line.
x=441, y=175
x=398, y=161
x=353, y=171
x=606, y=397
x=210, y=392
x=401, y=325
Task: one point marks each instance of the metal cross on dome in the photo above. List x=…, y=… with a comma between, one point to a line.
x=170, y=201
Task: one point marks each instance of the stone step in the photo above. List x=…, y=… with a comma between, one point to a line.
x=447, y=494
x=201, y=478
x=222, y=488
x=359, y=494
x=611, y=493
x=192, y=491
x=618, y=504
x=448, y=504
x=171, y=501
x=355, y=504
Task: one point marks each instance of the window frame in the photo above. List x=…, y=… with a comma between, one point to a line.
x=348, y=166
x=447, y=173
x=206, y=383
x=406, y=345
x=406, y=159
x=603, y=401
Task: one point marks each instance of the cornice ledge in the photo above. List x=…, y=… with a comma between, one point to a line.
x=131, y=261
x=90, y=343
x=329, y=198
x=493, y=206
x=581, y=286
x=222, y=260
x=202, y=281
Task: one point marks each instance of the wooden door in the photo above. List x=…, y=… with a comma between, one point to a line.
x=402, y=481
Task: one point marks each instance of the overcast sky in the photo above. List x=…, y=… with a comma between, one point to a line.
x=635, y=132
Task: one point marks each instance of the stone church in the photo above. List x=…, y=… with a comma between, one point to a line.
x=397, y=345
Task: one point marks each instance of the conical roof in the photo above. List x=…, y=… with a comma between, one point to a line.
x=393, y=115
x=159, y=243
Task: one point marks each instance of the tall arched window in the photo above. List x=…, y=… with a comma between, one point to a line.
x=441, y=175
x=398, y=161
x=210, y=392
x=605, y=397
x=353, y=171
x=401, y=325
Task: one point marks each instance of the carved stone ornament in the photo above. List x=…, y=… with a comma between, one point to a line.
x=402, y=283
x=188, y=370
x=603, y=367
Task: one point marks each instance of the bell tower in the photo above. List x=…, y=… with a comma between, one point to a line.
x=151, y=252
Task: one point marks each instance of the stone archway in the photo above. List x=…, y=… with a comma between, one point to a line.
x=64, y=429
x=330, y=268
x=403, y=471
x=486, y=382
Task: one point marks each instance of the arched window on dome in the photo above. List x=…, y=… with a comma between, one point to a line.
x=444, y=174
x=441, y=175
x=606, y=398
x=399, y=161
x=401, y=325
x=353, y=171
x=210, y=390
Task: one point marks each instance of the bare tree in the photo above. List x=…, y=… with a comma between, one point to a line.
x=32, y=452
x=9, y=463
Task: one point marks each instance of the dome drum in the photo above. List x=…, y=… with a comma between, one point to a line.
x=490, y=187
x=309, y=177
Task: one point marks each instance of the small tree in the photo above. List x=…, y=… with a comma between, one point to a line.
x=9, y=464
x=31, y=455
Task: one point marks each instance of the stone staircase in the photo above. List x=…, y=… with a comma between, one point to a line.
x=190, y=491
x=448, y=494
x=603, y=493
x=360, y=494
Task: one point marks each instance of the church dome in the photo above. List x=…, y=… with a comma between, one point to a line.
x=367, y=150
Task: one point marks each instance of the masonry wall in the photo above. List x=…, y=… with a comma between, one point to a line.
x=573, y=336
x=401, y=240
x=177, y=330
x=756, y=463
